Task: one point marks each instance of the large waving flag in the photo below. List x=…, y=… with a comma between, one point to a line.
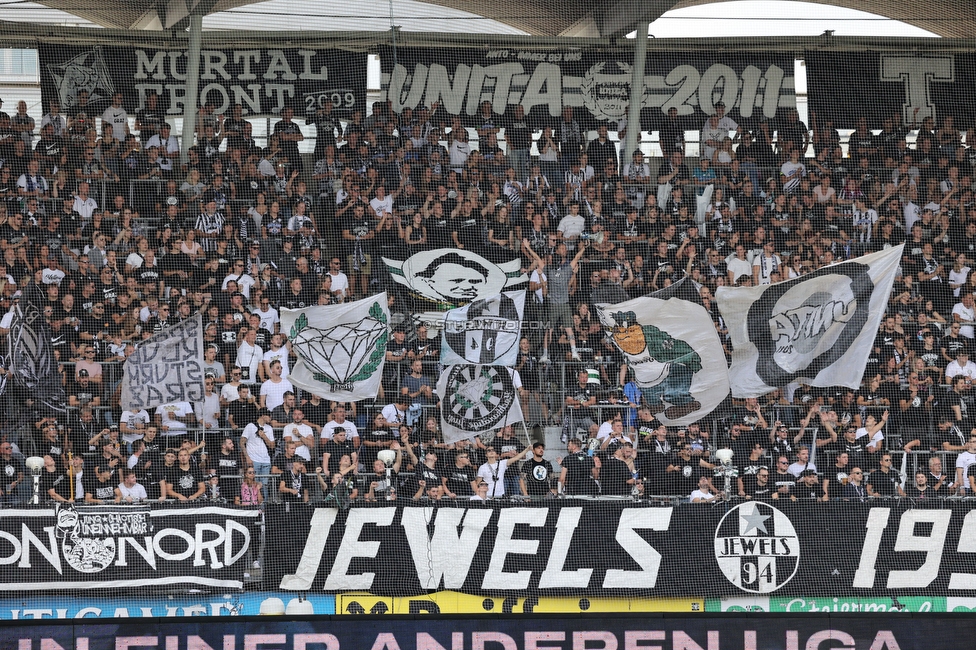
x=817, y=329
x=33, y=366
x=445, y=278
x=486, y=331
x=166, y=368
x=476, y=399
x=671, y=344
x=341, y=348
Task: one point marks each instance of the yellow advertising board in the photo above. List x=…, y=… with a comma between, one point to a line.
x=453, y=602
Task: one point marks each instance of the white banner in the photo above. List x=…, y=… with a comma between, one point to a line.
x=817, y=329
x=166, y=368
x=341, y=348
x=486, y=331
x=476, y=399
x=674, y=350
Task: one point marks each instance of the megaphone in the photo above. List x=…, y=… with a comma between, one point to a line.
x=595, y=237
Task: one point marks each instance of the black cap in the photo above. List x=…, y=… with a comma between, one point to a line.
x=82, y=373
x=807, y=472
x=720, y=104
x=539, y=444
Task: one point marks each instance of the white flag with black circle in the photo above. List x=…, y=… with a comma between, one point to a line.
x=817, y=329
x=486, y=331
x=476, y=399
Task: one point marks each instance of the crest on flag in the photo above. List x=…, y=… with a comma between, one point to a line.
x=674, y=351
x=166, y=368
x=341, y=348
x=486, y=331
x=449, y=277
x=86, y=71
x=817, y=329
x=476, y=399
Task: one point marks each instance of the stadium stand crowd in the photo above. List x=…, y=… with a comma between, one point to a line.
x=127, y=240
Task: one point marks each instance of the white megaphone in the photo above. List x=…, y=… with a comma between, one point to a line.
x=594, y=237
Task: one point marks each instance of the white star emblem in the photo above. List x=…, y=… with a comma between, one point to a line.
x=754, y=521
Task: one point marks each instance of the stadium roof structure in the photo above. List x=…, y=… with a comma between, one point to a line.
x=580, y=18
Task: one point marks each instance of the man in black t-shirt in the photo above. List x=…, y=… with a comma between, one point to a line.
x=684, y=471
x=885, y=481
x=335, y=448
x=576, y=475
x=460, y=479
x=229, y=467
x=537, y=474
x=184, y=480
x=54, y=484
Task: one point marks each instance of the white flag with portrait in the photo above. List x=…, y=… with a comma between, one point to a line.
x=817, y=329
x=341, y=349
x=476, y=399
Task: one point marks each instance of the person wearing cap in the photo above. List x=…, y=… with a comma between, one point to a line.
x=339, y=444
x=537, y=476
x=807, y=487
x=258, y=441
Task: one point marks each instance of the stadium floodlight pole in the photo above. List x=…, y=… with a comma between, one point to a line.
x=636, y=92
x=192, y=84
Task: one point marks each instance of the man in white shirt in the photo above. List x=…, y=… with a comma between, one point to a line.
x=273, y=390
x=493, y=471
x=964, y=312
x=277, y=352
x=339, y=421
x=268, y=315
x=766, y=264
x=299, y=431
x=173, y=418
x=963, y=462
x=249, y=357
x=570, y=228
x=340, y=281
x=381, y=204
x=257, y=441
x=961, y=366
x=84, y=204
x=165, y=141
x=704, y=492
x=117, y=117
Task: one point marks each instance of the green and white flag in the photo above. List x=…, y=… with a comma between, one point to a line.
x=341, y=348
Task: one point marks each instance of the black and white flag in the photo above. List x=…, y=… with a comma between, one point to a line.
x=486, y=331
x=476, y=399
x=817, y=329
x=165, y=368
x=33, y=366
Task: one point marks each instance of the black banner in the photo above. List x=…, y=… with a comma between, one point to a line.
x=124, y=547
x=626, y=548
x=262, y=80
x=739, y=632
x=844, y=86
x=596, y=83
